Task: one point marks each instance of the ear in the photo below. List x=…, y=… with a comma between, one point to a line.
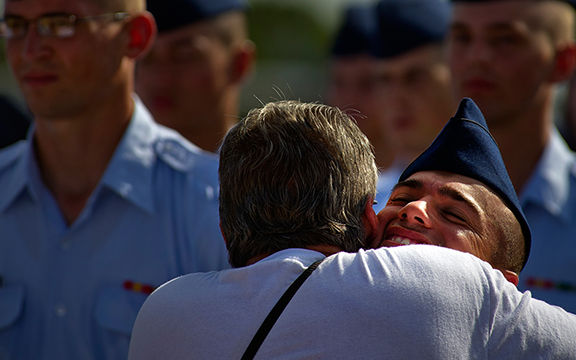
x=370, y=221
x=565, y=62
x=142, y=33
x=510, y=276
x=242, y=62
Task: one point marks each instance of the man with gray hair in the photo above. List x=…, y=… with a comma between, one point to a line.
x=297, y=185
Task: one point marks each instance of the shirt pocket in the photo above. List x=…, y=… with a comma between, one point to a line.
x=11, y=304
x=117, y=308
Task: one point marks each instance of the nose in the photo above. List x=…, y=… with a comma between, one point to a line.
x=479, y=51
x=34, y=43
x=416, y=212
x=396, y=88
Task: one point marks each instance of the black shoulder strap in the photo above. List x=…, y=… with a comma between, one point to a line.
x=274, y=314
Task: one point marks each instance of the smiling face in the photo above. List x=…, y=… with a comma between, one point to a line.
x=447, y=210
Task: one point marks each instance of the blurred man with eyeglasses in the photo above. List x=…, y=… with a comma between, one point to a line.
x=101, y=204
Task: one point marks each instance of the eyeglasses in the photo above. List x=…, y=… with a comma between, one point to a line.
x=57, y=25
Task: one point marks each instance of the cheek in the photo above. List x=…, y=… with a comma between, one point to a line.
x=196, y=78
x=471, y=243
x=85, y=63
x=206, y=75
x=524, y=66
x=460, y=240
x=456, y=60
x=512, y=71
x=13, y=51
x=388, y=214
x=366, y=102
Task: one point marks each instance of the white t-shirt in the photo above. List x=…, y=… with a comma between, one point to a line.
x=407, y=302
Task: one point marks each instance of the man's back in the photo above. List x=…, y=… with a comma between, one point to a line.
x=353, y=306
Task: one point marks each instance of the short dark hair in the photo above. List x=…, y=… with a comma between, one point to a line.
x=292, y=175
x=509, y=249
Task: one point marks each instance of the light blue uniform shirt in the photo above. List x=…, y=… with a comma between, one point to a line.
x=549, y=202
x=73, y=292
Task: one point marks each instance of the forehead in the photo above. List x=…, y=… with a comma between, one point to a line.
x=469, y=188
x=419, y=58
x=355, y=63
x=496, y=13
x=33, y=8
x=201, y=29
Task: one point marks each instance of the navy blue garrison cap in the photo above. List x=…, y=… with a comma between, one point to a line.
x=172, y=14
x=357, y=31
x=466, y=147
x=408, y=24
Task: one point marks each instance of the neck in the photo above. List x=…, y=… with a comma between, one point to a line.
x=73, y=152
x=325, y=249
x=522, y=141
x=209, y=132
x=210, y=137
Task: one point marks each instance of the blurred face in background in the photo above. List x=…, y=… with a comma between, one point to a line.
x=501, y=56
x=182, y=79
x=415, y=94
x=353, y=86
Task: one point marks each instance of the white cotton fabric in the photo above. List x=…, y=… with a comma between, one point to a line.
x=410, y=302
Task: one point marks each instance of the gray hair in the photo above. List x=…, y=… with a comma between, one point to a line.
x=293, y=175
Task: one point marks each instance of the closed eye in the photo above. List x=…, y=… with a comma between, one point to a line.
x=454, y=216
x=399, y=201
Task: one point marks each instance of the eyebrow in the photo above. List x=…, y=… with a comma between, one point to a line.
x=443, y=190
x=459, y=197
x=410, y=183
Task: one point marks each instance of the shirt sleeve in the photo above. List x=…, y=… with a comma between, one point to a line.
x=524, y=325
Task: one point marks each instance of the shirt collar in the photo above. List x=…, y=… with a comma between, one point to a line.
x=129, y=172
x=549, y=185
x=296, y=254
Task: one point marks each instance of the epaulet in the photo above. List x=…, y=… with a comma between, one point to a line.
x=10, y=154
x=183, y=156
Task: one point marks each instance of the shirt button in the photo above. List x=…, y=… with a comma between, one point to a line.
x=60, y=310
x=125, y=189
